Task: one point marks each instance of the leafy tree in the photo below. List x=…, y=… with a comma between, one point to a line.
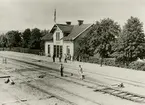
x=104, y=35
x=35, y=39
x=26, y=37
x=13, y=39
x=3, y=41
x=84, y=50
x=131, y=43
x=43, y=33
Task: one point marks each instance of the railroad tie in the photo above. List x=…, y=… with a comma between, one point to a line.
x=122, y=94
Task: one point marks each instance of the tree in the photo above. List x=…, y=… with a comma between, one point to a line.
x=84, y=49
x=26, y=37
x=43, y=33
x=104, y=33
x=13, y=39
x=35, y=39
x=132, y=41
x=3, y=41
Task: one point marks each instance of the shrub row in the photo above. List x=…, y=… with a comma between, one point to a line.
x=112, y=62
x=137, y=65
x=107, y=61
x=23, y=50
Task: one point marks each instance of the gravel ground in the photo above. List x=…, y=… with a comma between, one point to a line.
x=31, y=90
x=21, y=93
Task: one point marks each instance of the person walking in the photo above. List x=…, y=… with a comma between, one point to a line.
x=61, y=70
x=82, y=76
x=53, y=57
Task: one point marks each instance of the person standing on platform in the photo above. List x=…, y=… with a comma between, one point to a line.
x=60, y=56
x=82, y=76
x=53, y=57
x=61, y=70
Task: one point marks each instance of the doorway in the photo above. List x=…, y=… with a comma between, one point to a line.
x=57, y=50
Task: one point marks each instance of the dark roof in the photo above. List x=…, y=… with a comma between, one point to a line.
x=47, y=37
x=65, y=28
x=73, y=31
x=76, y=31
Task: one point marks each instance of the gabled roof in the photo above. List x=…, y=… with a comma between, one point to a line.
x=47, y=37
x=76, y=31
x=73, y=31
x=65, y=28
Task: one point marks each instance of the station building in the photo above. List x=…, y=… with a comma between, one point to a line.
x=63, y=38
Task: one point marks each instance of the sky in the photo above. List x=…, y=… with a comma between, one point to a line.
x=22, y=14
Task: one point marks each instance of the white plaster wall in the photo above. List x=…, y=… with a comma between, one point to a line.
x=60, y=42
x=71, y=45
x=51, y=48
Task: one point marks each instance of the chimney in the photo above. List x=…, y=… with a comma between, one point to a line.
x=80, y=22
x=68, y=23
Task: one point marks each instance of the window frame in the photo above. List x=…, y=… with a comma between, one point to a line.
x=57, y=36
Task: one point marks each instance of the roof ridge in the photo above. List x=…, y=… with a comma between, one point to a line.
x=65, y=24
x=83, y=24
x=72, y=24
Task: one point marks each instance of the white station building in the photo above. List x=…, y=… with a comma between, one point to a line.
x=62, y=39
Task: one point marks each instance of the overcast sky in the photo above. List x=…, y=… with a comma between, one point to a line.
x=22, y=14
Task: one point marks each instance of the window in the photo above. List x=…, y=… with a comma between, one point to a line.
x=57, y=35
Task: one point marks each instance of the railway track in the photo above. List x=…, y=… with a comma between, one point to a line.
x=123, y=94
x=111, y=78
x=50, y=93
x=53, y=87
x=57, y=88
x=105, y=89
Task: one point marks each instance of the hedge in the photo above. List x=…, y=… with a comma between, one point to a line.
x=112, y=62
x=106, y=61
x=23, y=50
x=137, y=65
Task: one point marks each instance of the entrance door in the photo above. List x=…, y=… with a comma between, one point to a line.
x=57, y=50
x=48, y=49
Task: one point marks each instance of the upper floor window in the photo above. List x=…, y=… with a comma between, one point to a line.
x=57, y=35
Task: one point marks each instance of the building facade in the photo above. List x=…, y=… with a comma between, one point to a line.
x=62, y=40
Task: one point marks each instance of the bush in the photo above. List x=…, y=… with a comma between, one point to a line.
x=23, y=50
x=109, y=62
x=94, y=60
x=106, y=61
x=137, y=65
x=112, y=62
